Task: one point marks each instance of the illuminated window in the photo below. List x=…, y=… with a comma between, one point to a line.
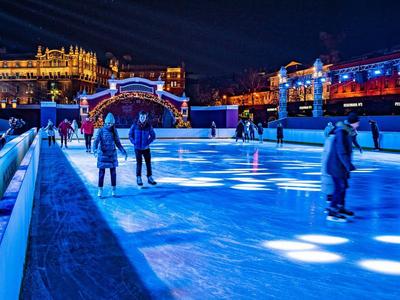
x=386, y=84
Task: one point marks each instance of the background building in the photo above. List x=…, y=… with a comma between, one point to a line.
x=59, y=75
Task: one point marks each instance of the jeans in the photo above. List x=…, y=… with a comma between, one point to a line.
x=51, y=138
x=88, y=141
x=63, y=140
x=113, y=173
x=147, y=158
x=341, y=184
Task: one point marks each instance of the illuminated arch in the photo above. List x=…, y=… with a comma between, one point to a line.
x=100, y=108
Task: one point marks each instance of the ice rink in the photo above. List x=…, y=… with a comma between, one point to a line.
x=234, y=221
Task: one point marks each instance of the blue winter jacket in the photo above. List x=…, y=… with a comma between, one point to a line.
x=105, y=144
x=339, y=160
x=141, y=136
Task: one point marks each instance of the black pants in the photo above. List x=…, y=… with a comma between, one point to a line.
x=64, y=140
x=252, y=137
x=376, y=141
x=113, y=173
x=147, y=158
x=88, y=141
x=339, y=194
x=240, y=136
x=280, y=140
x=51, y=138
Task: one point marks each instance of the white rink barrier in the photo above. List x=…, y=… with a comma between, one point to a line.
x=16, y=211
x=388, y=140
x=11, y=156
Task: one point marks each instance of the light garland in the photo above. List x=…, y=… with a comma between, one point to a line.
x=97, y=112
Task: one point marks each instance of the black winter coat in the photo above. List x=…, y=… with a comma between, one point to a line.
x=339, y=160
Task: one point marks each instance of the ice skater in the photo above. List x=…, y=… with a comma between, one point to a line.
x=339, y=166
x=327, y=185
x=260, y=131
x=50, y=129
x=375, y=134
x=239, y=133
x=213, y=129
x=63, y=129
x=247, y=131
x=87, y=130
x=75, y=128
x=279, y=134
x=141, y=135
x=104, y=147
x=252, y=129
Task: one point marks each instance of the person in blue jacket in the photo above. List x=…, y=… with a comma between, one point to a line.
x=104, y=147
x=141, y=136
x=339, y=166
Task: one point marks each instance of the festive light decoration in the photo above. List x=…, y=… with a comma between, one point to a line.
x=100, y=108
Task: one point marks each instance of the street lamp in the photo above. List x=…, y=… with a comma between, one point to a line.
x=14, y=103
x=3, y=103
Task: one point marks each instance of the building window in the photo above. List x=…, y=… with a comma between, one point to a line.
x=4, y=64
x=386, y=84
x=152, y=74
x=353, y=87
x=362, y=87
x=398, y=82
x=344, y=89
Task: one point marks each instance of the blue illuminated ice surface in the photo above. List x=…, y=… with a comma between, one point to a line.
x=233, y=221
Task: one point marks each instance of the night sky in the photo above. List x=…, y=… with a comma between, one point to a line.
x=211, y=37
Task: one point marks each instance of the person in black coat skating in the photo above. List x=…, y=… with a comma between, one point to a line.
x=339, y=166
x=375, y=134
x=279, y=134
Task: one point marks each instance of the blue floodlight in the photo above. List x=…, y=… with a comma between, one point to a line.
x=308, y=82
x=345, y=76
x=286, y=84
x=323, y=79
x=299, y=83
x=377, y=72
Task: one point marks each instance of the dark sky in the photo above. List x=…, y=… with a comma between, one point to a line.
x=213, y=37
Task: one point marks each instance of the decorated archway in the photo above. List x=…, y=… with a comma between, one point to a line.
x=125, y=98
x=102, y=108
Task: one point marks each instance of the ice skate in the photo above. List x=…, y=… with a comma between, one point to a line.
x=139, y=181
x=335, y=217
x=151, y=180
x=346, y=212
x=100, y=192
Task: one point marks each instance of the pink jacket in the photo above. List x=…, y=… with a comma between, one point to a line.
x=87, y=128
x=63, y=128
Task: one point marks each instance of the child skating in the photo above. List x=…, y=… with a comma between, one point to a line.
x=104, y=147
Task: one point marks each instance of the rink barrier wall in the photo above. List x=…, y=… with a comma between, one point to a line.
x=11, y=156
x=389, y=140
x=15, y=217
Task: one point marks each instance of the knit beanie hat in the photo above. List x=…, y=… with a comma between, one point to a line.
x=353, y=118
x=110, y=119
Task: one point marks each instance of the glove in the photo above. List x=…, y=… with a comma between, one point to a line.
x=95, y=153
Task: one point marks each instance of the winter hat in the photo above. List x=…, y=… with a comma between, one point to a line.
x=109, y=119
x=353, y=118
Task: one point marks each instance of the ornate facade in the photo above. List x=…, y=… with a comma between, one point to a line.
x=60, y=74
x=51, y=74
